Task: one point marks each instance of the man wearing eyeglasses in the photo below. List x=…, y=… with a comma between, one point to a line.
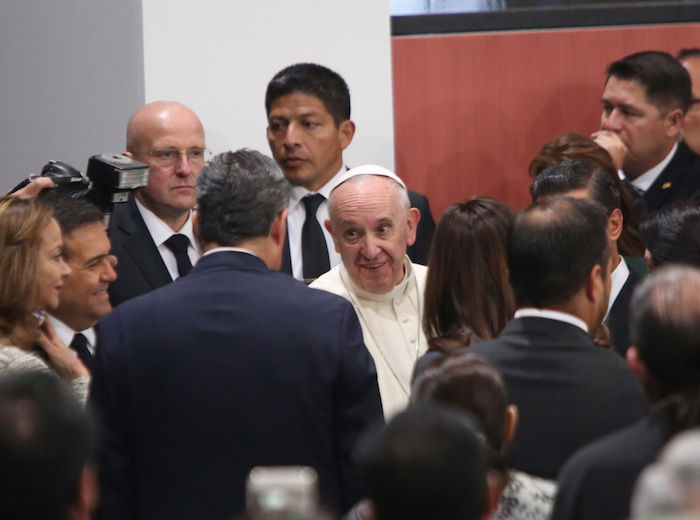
x=152, y=234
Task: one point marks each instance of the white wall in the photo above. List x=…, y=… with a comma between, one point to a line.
x=72, y=75
x=217, y=56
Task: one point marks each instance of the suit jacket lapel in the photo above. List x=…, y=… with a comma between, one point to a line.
x=139, y=245
x=656, y=195
x=286, y=255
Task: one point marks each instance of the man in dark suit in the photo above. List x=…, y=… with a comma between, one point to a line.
x=645, y=98
x=309, y=126
x=597, y=482
x=568, y=390
x=152, y=234
x=582, y=179
x=233, y=366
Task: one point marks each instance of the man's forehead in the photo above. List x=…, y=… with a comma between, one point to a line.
x=86, y=242
x=300, y=102
x=633, y=91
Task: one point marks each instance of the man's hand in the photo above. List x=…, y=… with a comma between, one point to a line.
x=32, y=189
x=613, y=144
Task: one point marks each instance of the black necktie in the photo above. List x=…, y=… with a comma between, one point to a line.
x=178, y=244
x=80, y=345
x=314, y=252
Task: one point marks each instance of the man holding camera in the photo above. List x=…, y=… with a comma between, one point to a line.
x=152, y=233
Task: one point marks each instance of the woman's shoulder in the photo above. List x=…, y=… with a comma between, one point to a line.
x=13, y=359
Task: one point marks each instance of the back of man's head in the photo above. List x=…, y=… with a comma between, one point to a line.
x=426, y=464
x=665, y=328
x=672, y=234
x=315, y=80
x=554, y=245
x=665, y=80
x=46, y=440
x=239, y=195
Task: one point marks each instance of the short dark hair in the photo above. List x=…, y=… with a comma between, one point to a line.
x=70, y=213
x=665, y=80
x=665, y=329
x=468, y=297
x=239, y=195
x=685, y=54
x=470, y=383
x=315, y=80
x=46, y=440
x=554, y=245
x=426, y=464
x=572, y=146
x=672, y=233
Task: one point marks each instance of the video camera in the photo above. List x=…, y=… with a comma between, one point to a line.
x=110, y=179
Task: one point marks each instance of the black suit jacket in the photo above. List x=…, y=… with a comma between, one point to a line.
x=597, y=482
x=231, y=367
x=569, y=392
x=140, y=268
x=680, y=180
x=618, y=318
x=418, y=252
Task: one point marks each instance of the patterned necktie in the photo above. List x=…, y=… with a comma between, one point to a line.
x=178, y=244
x=314, y=252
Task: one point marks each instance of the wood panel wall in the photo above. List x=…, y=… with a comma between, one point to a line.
x=472, y=110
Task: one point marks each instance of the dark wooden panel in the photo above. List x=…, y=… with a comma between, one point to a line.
x=472, y=110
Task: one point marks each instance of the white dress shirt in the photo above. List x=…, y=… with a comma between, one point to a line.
x=618, y=278
x=645, y=180
x=66, y=334
x=160, y=232
x=297, y=216
x=549, y=314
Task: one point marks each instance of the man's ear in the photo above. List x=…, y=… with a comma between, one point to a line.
x=85, y=502
x=278, y=230
x=593, y=283
x=128, y=154
x=512, y=416
x=413, y=219
x=615, y=223
x=346, y=131
x=637, y=365
x=329, y=227
x=673, y=122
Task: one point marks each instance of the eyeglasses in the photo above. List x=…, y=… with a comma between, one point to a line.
x=169, y=157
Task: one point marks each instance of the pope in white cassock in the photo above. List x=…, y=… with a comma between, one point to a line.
x=372, y=223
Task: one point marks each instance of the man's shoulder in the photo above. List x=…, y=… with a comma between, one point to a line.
x=331, y=282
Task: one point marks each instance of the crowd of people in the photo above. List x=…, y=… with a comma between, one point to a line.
x=243, y=311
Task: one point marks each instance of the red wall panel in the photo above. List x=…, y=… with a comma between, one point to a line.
x=472, y=110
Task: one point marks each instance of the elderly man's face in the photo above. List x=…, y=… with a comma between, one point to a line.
x=371, y=231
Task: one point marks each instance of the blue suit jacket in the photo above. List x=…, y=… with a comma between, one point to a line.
x=230, y=367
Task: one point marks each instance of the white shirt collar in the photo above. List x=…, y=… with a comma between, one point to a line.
x=550, y=314
x=618, y=278
x=645, y=180
x=222, y=249
x=160, y=231
x=65, y=333
x=299, y=192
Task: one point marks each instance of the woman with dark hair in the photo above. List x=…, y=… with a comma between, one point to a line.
x=571, y=146
x=575, y=178
x=466, y=382
x=31, y=276
x=467, y=296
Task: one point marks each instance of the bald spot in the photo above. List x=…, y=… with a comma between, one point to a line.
x=675, y=297
x=158, y=118
x=368, y=192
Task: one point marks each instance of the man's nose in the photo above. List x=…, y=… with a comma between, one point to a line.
x=611, y=121
x=184, y=167
x=370, y=247
x=109, y=274
x=291, y=137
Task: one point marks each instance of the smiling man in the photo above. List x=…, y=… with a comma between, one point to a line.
x=152, y=234
x=372, y=224
x=309, y=127
x=645, y=98
x=84, y=299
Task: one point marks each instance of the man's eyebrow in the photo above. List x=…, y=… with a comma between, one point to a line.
x=95, y=258
x=626, y=106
